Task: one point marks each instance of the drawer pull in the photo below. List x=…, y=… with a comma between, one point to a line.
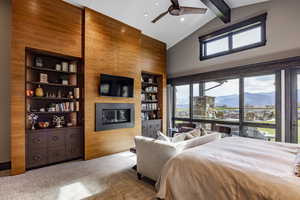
x=55, y=138
x=37, y=140
x=36, y=158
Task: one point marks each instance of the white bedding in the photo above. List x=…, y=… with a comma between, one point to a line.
x=232, y=169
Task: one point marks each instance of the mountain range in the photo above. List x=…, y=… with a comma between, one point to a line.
x=254, y=99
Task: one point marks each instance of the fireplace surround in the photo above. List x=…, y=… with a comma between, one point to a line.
x=111, y=116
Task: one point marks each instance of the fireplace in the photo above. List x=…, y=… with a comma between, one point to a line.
x=114, y=116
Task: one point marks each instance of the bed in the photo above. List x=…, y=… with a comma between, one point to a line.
x=232, y=168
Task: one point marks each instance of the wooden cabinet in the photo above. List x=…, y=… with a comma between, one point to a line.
x=150, y=128
x=151, y=104
x=54, y=89
x=48, y=146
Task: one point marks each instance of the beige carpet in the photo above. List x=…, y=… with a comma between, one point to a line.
x=109, y=177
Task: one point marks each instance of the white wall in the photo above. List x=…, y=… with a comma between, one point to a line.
x=4, y=81
x=283, y=35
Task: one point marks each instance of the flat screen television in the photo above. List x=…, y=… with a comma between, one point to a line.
x=116, y=86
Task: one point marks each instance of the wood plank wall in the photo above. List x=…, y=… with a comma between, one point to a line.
x=111, y=47
x=108, y=46
x=50, y=25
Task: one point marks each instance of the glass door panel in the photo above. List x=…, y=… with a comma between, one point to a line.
x=182, y=101
x=259, y=99
x=298, y=109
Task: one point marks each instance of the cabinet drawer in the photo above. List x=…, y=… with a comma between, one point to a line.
x=56, y=155
x=36, y=157
x=56, y=139
x=73, y=151
x=74, y=137
x=37, y=140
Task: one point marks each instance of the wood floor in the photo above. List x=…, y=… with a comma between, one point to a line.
x=106, y=178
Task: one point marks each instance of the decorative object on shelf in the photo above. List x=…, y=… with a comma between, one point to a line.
x=65, y=66
x=105, y=88
x=125, y=91
x=52, y=108
x=72, y=80
x=59, y=94
x=42, y=110
x=70, y=95
x=29, y=93
x=32, y=119
x=65, y=82
x=28, y=107
x=43, y=78
x=58, y=67
x=72, y=106
x=77, y=106
x=76, y=93
x=58, y=121
x=73, y=120
x=44, y=124
x=39, y=92
x=69, y=124
x=38, y=62
x=143, y=97
x=150, y=80
x=73, y=67
x=151, y=89
x=153, y=97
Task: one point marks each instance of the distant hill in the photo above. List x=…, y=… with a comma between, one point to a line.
x=258, y=99
x=255, y=99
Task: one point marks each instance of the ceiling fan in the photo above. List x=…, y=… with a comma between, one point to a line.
x=176, y=10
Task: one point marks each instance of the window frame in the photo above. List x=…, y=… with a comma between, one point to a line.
x=249, y=24
x=241, y=123
x=174, y=100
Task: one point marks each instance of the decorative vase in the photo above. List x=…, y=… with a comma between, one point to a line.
x=39, y=92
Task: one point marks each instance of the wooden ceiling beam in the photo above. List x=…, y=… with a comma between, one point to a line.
x=220, y=8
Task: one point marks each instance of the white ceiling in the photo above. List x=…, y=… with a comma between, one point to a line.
x=140, y=13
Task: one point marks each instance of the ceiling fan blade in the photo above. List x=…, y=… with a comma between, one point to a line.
x=190, y=10
x=160, y=16
x=175, y=3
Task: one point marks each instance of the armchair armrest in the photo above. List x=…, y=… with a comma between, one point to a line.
x=152, y=155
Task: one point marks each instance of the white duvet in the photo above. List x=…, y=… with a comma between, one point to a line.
x=232, y=169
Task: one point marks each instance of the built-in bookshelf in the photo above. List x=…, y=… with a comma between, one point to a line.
x=151, y=98
x=54, y=108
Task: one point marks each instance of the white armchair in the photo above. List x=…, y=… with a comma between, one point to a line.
x=153, y=154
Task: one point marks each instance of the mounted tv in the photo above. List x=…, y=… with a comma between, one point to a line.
x=116, y=86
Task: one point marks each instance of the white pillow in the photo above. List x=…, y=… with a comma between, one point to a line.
x=179, y=138
x=163, y=137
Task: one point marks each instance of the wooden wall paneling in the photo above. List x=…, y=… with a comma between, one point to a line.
x=50, y=25
x=111, y=47
x=153, y=60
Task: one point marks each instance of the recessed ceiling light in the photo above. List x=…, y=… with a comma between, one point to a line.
x=157, y=4
x=146, y=15
x=182, y=19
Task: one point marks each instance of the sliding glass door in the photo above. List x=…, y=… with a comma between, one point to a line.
x=293, y=106
x=297, y=134
x=259, y=113
x=249, y=104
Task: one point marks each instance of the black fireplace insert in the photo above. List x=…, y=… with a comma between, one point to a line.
x=114, y=116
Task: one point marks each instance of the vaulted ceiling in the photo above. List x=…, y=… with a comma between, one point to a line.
x=140, y=13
